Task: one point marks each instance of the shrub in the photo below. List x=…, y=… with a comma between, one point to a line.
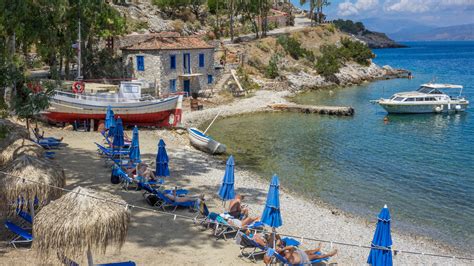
x=293, y=47
x=272, y=69
x=247, y=83
x=355, y=50
x=329, y=62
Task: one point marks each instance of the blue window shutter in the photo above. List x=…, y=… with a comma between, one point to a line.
x=172, y=85
x=173, y=62
x=140, y=63
x=210, y=79
x=201, y=60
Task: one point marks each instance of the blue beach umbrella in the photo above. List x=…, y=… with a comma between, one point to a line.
x=382, y=239
x=109, y=115
x=118, y=135
x=226, y=192
x=271, y=214
x=113, y=125
x=135, y=147
x=162, y=160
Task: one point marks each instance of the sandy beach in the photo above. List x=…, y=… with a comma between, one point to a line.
x=158, y=239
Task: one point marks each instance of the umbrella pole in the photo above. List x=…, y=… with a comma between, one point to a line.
x=274, y=237
x=32, y=209
x=90, y=262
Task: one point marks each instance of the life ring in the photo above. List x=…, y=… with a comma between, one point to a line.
x=78, y=87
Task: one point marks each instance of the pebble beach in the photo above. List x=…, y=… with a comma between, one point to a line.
x=156, y=238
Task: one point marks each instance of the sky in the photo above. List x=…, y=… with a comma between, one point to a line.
x=430, y=12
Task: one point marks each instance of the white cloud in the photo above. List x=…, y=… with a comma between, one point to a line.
x=420, y=6
x=353, y=8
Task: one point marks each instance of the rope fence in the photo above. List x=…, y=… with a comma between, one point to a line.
x=194, y=219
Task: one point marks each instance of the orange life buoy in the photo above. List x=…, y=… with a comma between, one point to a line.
x=78, y=87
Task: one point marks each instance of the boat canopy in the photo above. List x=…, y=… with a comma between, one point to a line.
x=441, y=86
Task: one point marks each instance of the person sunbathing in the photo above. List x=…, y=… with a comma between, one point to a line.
x=145, y=172
x=296, y=256
x=242, y=223
x=39, y=136
x=174, y=197
x=236, y=209
x=266, y=240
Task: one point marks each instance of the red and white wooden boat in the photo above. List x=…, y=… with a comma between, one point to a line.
x=128, y=104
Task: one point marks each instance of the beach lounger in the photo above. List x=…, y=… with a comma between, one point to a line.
x=271, y=252
x=228, y=229
x=68, y=262
x=21, y=235
x=126, y=145
x=48, y=145
x=163, y=202
x=249, y=249
x=39, y=137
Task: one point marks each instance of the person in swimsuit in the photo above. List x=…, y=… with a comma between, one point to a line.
x=177, y=198
x=235, y=208
x=242, y=223
x=298, y=256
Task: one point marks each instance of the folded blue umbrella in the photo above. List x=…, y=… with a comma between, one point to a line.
x=271, y=214
x=162, y=160
x=113, y=125
x=118, y=135
x=381, y=251
x=135, y=147
x=109, y=115
x=226, y=191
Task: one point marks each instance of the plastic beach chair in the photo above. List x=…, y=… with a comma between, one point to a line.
x=227, y=229
x=284, y=261
x=249, y=249
x=21, y=235
x=38, y=137
x=68, y=262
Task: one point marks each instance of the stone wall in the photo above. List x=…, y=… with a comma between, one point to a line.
x=152, y=63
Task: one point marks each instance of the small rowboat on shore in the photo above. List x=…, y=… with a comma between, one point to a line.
x=205, y=143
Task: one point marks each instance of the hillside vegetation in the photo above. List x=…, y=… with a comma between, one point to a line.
x=320, y=50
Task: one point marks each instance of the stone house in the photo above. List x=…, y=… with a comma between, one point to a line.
x=171, y=63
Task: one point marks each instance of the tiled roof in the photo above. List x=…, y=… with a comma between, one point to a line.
x=170, y=43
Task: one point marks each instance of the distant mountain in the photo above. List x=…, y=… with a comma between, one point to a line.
x=372, y=38
x=397, y=29
x=451, y=33
x=410, y=30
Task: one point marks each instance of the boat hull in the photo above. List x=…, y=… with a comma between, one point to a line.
x=162, y=113
x=204, y=143
x=423, y=108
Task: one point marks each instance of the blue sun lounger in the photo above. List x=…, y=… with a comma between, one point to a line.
x=284, y=261
x=68, y=262
x=48, y=145
x=164, y=202
x=21, y=235
x=249, y=249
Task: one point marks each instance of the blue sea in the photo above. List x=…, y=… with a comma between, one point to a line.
x=421, y=166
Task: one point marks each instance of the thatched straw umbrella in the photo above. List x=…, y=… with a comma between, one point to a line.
x=80, y=221
x=37, y=172
x=18, y=148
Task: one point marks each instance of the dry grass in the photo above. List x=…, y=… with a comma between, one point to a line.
x=39, y=170
x=74, y=223
x=19, y=147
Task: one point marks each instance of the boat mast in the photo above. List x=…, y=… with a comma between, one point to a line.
x=79, y=77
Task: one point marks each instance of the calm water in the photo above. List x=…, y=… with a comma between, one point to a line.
x=422, y=166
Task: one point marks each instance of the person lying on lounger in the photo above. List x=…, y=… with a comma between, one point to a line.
x=236, y=209
x=39, y=136
x=266, y=240
x=296, y=256
x=174, y=197
x=144, y=172
x=242, y=223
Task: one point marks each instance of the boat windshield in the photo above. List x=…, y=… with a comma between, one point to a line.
x=429, y=90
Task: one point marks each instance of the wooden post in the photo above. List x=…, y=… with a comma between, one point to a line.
x=90, y=262
x=92, y=125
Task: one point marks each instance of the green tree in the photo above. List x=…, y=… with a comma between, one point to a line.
x=272, y=69
x=329, y=62
x=28, y=103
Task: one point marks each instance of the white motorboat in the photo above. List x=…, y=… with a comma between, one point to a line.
x=429, y=98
